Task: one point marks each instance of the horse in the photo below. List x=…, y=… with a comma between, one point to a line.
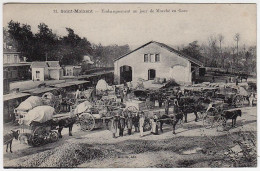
x=173, y=119
x=8, y=139
x=232, y=114
x=66, y=123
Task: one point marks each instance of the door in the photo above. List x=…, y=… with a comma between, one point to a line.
x=151, y=74
x=125, y=74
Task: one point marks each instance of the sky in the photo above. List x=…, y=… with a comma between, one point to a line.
x=195, y=22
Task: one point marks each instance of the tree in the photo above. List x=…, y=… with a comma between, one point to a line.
x=22, y=37
x=46, y=43
x=193, y=50
x=237, y=38
x=73, y=48
x=220, y=39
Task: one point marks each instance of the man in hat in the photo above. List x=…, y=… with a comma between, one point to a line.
x=141, y=124
x=129, y=122
x=176, y=115
x=154, y=124
x=114, y=125
x=121, y=125
x=136, y=118
x=166, y=106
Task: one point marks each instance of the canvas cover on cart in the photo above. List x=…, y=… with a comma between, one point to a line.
x=39, y=114
x=82, y=107
x=48, y=98
x=102, y=85
x=30, y=103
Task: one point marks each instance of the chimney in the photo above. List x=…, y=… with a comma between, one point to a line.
x=4, y=45
x=24, y=59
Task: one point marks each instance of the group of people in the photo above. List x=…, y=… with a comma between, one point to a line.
x=127, y=120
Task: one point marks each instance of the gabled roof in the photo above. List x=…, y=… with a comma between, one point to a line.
x=40, y=64
x=43, y=64
x=195, y=61
x=53, y=63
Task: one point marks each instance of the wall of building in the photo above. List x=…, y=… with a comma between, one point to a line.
x=54, y=74
x=42, y=74
x=11, y=58
x=171, y=65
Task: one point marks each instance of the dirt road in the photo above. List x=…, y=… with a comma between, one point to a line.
x=98, y=149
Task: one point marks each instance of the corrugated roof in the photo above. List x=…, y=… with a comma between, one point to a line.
x=53, y=63
x=14, y=96
x=66, y=84
x=169, y=49
x=37, y=91
x=42, y=64
x=12, y=50
x=17, y=64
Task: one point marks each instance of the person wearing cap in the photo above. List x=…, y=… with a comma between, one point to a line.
x=176, y=111
x=154, y=124
x=141, y=124
x=166, y=106
x=114, y=125
x=121, y=125
x=136, y=119
x=129, y=122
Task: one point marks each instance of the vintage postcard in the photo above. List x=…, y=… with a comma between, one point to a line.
x=129, y=85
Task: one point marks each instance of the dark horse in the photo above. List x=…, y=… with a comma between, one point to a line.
x=173, y=119
x=232, y=114
x=66, y=123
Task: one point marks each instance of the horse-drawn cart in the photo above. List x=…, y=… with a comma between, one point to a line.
x=217, y=114
x=37, y=126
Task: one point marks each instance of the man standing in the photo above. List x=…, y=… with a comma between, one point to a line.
x=141, y=124
x=166, y=105
x=154, y=124
x=136, y=121
x=129, y=122
x=176, y=113
x=121, y=125
x=114, y=125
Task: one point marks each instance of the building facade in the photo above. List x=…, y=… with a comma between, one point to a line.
x=14, y=67
x=155, y=60
x=72, y=70
x=46, y=70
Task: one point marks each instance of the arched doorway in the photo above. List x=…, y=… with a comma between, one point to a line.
x=151, y=74
x=125, y=74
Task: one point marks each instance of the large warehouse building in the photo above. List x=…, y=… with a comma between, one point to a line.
x=152, y=60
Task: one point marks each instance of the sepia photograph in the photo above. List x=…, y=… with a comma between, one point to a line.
x=129, y=85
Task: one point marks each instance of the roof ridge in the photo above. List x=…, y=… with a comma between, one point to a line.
x=168, y=48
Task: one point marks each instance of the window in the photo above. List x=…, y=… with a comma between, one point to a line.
x=157, y=58
x=145, y=57
x=15, y=58
x=8, y=58
x=37, y=74
x=151, y=58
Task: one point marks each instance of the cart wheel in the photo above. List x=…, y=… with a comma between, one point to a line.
x=208, y=121
x=39, y=136
x=57, y=107
x=54, y=136
x=200, y=115
x=87, y=122
x=238, y=101
x=147, y=125
x=221, y=123
x=132, y=109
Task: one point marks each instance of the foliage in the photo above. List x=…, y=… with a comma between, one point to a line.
x=69, y=49
x=234, y=59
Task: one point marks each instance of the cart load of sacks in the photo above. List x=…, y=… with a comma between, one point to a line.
x=38, y=109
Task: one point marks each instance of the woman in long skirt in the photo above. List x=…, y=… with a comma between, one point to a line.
x=114, y=125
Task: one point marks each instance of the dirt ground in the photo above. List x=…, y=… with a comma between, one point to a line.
x=192, y=146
